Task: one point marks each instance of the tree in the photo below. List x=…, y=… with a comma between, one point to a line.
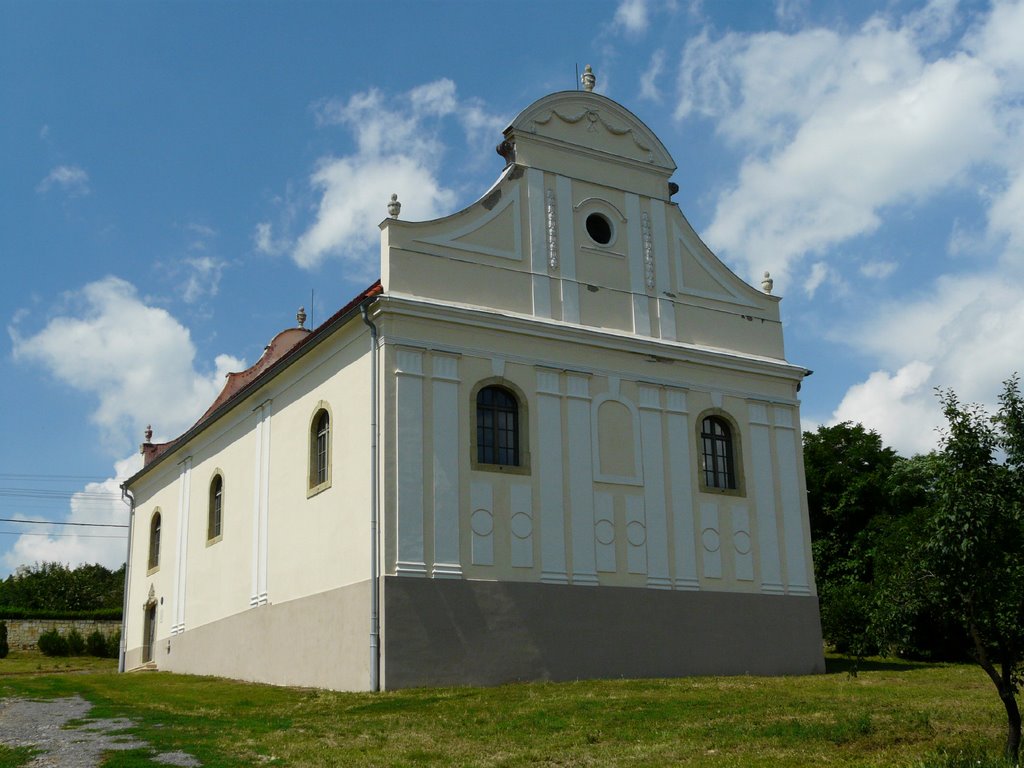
x=56, y=587
x=972, y=559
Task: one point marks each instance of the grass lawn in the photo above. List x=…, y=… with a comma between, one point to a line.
x=890, y=714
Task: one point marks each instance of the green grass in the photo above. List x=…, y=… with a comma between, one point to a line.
x=33, y=662
x=889, y=714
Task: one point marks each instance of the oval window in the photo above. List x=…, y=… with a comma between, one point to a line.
x=599, y=229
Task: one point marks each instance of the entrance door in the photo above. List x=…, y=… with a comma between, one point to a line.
x=149, y=633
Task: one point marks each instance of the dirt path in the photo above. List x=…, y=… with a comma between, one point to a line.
x=41, y=726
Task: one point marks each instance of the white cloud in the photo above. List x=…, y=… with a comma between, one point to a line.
x=204, y=273
x=962, y=332
x=819, y=271
x=398, y=151
x=878, y=270
x=649, y=80
x=137, y=361
x=68, y=178
x=76, y=545
x=837, y=128
x=631, y=16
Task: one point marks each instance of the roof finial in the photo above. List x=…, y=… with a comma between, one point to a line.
x=394, y=207
x=588, y=78
x=149, y=433
x=301, y=316
x=767, y=284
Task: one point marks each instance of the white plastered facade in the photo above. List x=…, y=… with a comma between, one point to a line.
x=615, y=349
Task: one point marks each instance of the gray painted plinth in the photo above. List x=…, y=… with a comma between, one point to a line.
x=448, y=632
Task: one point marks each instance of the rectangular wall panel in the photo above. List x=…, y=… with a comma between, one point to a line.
x=711, y=540
x=581, y=480
x=636, y=535
x=604, y=530
x=521, y=524
x=409, y=461
x=549, y=473
x=654, y=488
x=741, y=543
x=538, y=242
x=684, y=543
x=446, y=433
x=798, y=581
x=641, y=304
x=570, y=289
x=764, y=499
x=481, y=522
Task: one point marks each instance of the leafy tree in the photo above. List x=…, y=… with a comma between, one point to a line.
x=970, y=560
x=56, y=587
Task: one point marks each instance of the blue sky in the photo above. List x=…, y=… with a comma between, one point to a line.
x=177, y=178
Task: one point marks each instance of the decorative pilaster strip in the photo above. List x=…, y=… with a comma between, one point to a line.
x=645, y=230
x=552, y=218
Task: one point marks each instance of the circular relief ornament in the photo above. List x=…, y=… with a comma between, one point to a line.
x=741, y=540
x=636, y=533
x=709, y=538
x=522, y=525
x=482, y=522
x=605, y=532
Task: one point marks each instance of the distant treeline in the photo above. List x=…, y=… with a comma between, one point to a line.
x=55, y=591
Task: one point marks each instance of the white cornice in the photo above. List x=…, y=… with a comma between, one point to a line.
x=546, y=328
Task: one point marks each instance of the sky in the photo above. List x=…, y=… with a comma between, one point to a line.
x=177, y=178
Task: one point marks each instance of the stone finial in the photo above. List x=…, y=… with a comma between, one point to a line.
x=394, y=207
x=301, y=316
x=149, y=433
x=767, y=283
x=588, y=78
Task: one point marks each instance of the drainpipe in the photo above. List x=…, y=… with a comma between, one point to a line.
x=126, y=496
x=374, y=510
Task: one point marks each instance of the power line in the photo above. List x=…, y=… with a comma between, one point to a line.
x=43, y=493
x=51, y=522
x=51, y=478
x=62, y=535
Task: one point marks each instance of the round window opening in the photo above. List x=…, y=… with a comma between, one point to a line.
x=599, y=229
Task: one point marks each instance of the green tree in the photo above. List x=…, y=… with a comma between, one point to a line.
x=56, y=587
x=847, y=469
x=972, y=558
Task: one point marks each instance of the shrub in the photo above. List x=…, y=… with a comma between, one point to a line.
x=114, y=645
x=96, y=644
x=76, y=643
x=52, y=643
x=4, y=648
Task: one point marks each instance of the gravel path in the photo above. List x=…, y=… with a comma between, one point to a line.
x=40, y=725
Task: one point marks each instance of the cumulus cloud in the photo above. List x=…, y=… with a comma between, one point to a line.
x=838, y=130
x=204, y=273
x=138, y=361
x=398, y=151
x=70, y=179
x=97, y=503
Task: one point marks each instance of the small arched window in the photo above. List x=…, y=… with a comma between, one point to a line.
x=215, y=519
x=320, y=451
x=154, y=541
x=718, y=453
x=497, y=427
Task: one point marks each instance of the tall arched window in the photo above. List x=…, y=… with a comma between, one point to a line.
x=154, y=541
x=497, y=427
x=718, y=454
x=320, y=451
x=215, y=518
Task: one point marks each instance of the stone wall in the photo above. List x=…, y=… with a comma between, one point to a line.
x=23, y=634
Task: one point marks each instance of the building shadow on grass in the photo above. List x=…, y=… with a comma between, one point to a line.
x=852, y=665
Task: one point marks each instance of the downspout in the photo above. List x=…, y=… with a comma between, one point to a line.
x=126, y=495
x=374, y=509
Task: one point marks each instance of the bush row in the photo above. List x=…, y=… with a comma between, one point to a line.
x=53, y=643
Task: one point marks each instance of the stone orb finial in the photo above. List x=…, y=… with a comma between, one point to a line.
x=301, y=316
x=588, y=78
x=767, y=283
x=394, y=207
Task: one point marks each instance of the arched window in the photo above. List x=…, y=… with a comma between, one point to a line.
x=320, y=451
x=154, y=541
x=215, y=518
x=497, y=427
x=718, y=454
